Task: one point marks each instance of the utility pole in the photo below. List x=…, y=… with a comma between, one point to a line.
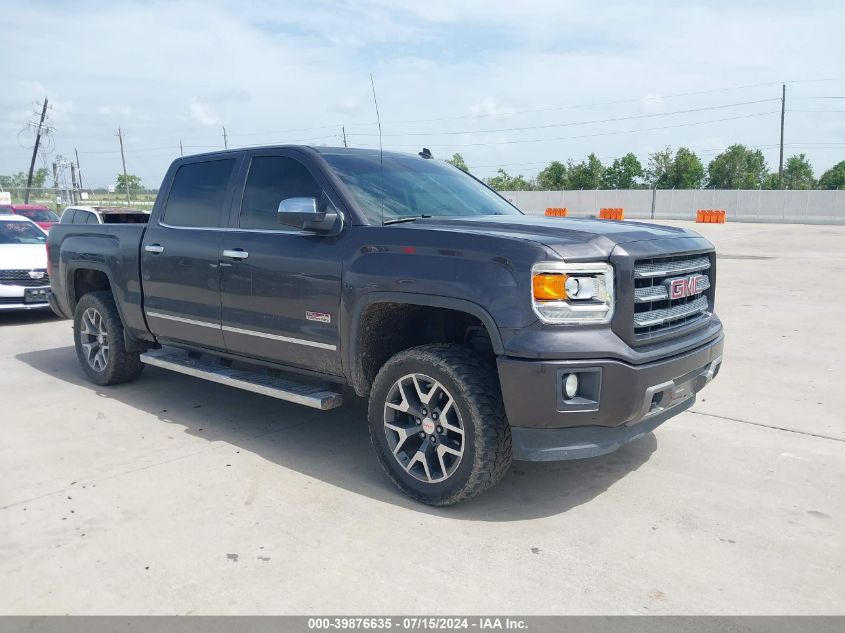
x=56, y=184
x=225, y=139
x=782, y=116
x=344, y=136
x=181, y=151
x=35, y=150
x=78, y=172
x=123, y=158
x=74, y=188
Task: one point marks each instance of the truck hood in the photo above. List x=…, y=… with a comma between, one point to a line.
x=579, y=237
x=22, y=256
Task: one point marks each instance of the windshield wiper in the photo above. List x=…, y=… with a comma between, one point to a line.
x=407, y=218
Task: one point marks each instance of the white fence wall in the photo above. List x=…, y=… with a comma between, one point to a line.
x=795, y=207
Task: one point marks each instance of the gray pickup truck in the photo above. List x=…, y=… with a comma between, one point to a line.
x=480, y=335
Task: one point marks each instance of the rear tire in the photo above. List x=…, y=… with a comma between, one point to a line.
x=98, y=337
x=438, y=424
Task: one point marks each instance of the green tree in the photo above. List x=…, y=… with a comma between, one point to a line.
x=737, y=168
x=18, y=180
x=458, y=161
x=771, y=181
x=684, y=170
x=131, y=181
x=687, y=170
x=657, y=174
x=798, y=173
x=623, y=173
x=552, y=177
x=586, y=174
x=503, y=181
x=833, y=178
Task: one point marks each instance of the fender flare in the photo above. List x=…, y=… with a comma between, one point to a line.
x=408, y=298
x=70, y=283
x=132, y=343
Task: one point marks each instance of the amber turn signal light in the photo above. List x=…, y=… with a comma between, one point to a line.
x=549, y=287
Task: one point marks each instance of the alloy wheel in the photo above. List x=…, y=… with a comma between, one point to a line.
x=423, y=427
x=94, y=339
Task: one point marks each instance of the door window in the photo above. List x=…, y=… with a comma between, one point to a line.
x=272, y=179
x=198, y=193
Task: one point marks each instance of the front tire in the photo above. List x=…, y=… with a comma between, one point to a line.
x=438, y=424
x=98, y=337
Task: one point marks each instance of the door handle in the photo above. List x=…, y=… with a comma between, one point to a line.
x=154, y=248
x=235, y=253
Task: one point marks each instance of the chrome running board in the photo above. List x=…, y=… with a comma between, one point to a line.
x=315, y=396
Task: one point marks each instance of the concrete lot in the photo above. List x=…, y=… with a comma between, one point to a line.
x=172, y=495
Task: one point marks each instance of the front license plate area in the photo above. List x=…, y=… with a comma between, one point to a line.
x=35, y=295
x=682, y=392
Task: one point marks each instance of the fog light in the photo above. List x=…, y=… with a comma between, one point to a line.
x=570, y=386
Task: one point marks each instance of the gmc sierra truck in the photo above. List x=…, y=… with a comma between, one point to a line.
x=480, y=335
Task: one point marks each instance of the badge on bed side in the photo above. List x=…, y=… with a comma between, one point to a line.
x=321, y=317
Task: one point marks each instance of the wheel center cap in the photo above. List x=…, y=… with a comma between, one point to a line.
x=428, y=426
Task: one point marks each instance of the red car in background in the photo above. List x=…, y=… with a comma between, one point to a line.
x=38, y=213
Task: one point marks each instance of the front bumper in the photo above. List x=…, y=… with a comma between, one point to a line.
x=622, y=401
x=581, y=442
x=12, y=298
x=23, y=306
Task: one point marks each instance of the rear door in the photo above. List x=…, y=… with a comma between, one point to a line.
x=179, y=255
x=280, y=286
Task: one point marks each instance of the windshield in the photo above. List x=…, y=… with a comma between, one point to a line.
x=414, y=187
x=39, y=215
x=21, y=233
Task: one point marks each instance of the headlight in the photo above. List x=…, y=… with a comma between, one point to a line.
x=572, y=294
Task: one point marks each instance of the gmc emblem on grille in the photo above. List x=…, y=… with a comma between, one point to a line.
x=684, y=286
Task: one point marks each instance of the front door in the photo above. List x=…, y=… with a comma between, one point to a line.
x=180, y=255
x=280, y=288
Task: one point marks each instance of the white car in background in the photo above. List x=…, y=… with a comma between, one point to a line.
x=24, y=283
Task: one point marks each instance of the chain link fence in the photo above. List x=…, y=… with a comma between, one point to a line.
x=58, y=199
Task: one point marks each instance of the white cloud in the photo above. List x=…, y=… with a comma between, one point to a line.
x=345, y=105
x=652, y=103
x=265, y=70
x=489, y=107
x=203, y=113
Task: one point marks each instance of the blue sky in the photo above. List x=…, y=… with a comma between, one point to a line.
x=453, y=76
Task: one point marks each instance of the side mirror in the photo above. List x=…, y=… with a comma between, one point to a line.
x=302, y=213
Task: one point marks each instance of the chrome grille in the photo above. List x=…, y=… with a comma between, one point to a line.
x=22, y=278
x=663, y=315
x=654, y=311
x=661, y=268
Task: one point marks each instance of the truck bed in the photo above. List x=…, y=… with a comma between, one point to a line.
x=110, y=249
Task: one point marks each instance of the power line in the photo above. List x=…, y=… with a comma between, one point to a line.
x=616, y=102
x=174, y=148
x=512, y=113
x=598, y=134
x=494, y=130
x=574, y=123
